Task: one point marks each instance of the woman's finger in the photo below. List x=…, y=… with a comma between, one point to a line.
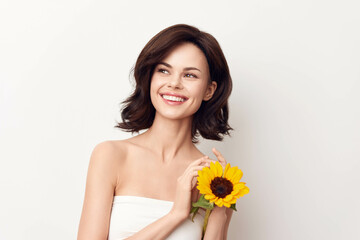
x=219, y=157
x=194, y=172
x=195, y=168
x=199, y=161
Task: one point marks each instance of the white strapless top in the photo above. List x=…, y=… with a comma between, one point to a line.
x=130, y=214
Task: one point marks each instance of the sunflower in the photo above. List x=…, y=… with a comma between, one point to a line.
x=221, y=187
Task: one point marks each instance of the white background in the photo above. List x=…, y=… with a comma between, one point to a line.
x=64, y=69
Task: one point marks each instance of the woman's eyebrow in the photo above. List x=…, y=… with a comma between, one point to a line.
x=187, y=68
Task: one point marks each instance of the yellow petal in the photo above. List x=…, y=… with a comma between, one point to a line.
x=209, y=196
x=244, y=191
x=236, y=195
x=226, y=169
x=235, y=192
x=219, y=202
x=203, y=180
x=237, y=188
x=208, y=177
x=213, y=169
x=229, y=173
x=200, y=173
x=227, y=204
x=219, y=169
x=237, y=176
x=228, y=198
x=233, y=201
x=207, y=171
x=204, y=190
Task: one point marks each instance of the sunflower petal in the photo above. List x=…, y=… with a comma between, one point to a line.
x=200, y=173
x=208, y=176
x=237, y=176
x=213, y=199
x=228, y=198
x=230, y=173
x=237, y=188
x=226, y=169
x=236, y=193
x=209, y=196
x=234, y=171
x=244, y=191
x=213, y=169
x=219, y=202
x=218, y=169
x=239, y=185
x=203, y=180
x=204, y=190
x=207, y=171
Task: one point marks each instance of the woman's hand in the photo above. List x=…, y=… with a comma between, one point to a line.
x=220, y=217
x=223, y=163
x=185, y=184
x=221, y=159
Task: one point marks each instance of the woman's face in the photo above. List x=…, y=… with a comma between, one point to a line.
x=181, y=82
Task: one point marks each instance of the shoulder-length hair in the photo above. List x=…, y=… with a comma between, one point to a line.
x=211, y=119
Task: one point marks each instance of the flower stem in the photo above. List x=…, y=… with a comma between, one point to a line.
x=207, y=214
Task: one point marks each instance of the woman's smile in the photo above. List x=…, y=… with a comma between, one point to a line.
x=172, y=100
x=175, y=81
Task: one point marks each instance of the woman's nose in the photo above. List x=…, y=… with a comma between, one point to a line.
x=175, y=82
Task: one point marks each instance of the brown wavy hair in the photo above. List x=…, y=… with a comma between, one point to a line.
x=211, y=119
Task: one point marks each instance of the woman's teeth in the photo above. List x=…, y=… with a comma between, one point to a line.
x=173, y=98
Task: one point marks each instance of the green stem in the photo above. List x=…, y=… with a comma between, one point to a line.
x=207, y=214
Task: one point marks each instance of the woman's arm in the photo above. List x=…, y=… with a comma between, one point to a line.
x=159, y=229
x=219, y=220
x=229, y=213
x=100, y=185
x=218, y=224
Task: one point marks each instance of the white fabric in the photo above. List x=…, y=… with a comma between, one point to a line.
x=130, y=214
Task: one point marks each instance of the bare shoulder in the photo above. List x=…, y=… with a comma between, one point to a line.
x=110, y=146
x=110, y=150
x=107, y=157
x=101, y=182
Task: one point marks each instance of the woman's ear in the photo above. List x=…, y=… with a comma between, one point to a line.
x=210, y=91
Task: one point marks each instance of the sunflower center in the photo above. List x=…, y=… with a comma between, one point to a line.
x=221, y=187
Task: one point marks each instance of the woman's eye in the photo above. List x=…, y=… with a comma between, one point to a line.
x=187, y=74
x=194, y=76
x=162, y=70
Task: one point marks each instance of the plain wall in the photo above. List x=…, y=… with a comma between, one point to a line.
x=64, y=69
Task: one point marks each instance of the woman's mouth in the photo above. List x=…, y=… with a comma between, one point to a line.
x=173, y=100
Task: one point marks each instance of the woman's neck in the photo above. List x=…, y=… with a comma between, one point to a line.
x=169, y=138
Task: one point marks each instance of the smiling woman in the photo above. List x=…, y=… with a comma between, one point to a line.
x=210, y=121
x=176, y=87
x=143, y=187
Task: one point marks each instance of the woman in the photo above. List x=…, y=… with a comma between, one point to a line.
x=142, y=187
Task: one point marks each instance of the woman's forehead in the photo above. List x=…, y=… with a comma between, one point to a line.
x=186, y=56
